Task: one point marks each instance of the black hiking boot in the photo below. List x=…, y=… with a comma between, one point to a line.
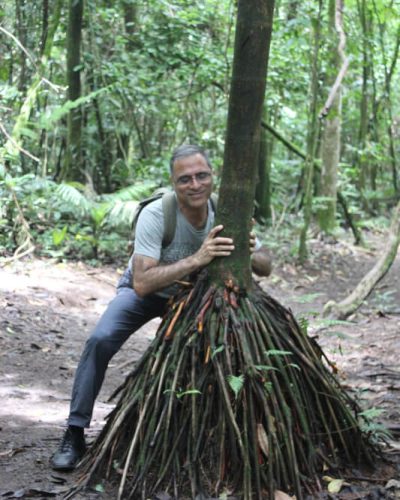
x=70, y=451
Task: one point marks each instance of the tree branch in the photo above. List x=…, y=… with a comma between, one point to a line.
x=343, y=57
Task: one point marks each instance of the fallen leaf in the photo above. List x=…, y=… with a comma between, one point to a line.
x=392, y=484
x=335, y=486
x=262, y=439
x=280, y=495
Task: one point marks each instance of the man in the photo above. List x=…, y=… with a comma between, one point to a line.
x=148, y=282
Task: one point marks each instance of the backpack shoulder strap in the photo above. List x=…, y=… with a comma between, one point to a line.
x=214, y=201
x=169, y=207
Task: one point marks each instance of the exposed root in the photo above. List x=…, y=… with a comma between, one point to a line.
x=230, y=396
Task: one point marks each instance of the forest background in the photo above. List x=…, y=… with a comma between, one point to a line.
x=95, y=95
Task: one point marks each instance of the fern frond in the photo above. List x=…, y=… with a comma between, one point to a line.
x=52, y=116
x=72, y=199
x=137, y=191
x=121, y=213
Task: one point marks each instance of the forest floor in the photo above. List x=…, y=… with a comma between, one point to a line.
x=47, y=309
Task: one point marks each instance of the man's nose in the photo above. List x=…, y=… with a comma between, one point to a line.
x=194, y=181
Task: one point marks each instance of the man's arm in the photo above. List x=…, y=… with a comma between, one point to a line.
x=149, y=276
x=261, y=261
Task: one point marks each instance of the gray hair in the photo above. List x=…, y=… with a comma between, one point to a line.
x=187, y=150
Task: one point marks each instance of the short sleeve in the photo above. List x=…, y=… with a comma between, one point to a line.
x=149, y=231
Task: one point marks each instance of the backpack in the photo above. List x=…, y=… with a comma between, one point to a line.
x=169, y=206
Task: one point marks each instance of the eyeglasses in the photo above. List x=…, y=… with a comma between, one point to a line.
x=201, y=177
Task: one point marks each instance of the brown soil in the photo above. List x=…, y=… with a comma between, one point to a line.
x=47, y=310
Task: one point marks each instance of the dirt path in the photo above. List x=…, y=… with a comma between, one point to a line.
x=47, y=309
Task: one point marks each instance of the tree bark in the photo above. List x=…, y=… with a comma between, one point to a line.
x=389, y=70
x=263, y=189
x=73, y=162
x=363, y=129
x=252, y=41
x=312, y=132
x=21, y=29
x=330, y=149
x=351, y=303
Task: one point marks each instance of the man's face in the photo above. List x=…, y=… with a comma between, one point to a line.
x=192, y=180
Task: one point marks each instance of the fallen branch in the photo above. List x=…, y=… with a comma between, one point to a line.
x=351, y=303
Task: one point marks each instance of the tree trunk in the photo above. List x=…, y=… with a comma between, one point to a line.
x=252, y=40
x=312, y=133
x=45, y=25
x=73, y=161
x=263, y=189
x=21, y=29
x=361, y=156
x=351, y=303
x=330, y=150
x=389, y=71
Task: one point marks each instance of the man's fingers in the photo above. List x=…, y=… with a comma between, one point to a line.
x=219, y=240
x=215, y=230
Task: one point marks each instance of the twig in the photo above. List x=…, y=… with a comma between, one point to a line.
x=19, y=44
x=24, y=151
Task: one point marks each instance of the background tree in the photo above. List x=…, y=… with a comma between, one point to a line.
x=331, y=135
x=312, y=135
x=73, y=160
x=155, y=75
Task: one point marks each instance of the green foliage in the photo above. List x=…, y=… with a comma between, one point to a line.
x=161, y=78
x=236, y=383
x=66, y=220
x=370, y=424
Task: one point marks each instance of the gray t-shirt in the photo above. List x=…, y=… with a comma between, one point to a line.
x=187, y=239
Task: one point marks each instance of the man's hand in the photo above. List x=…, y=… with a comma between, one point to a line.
x=253, y=243
x=149, y=276
x=213, y=246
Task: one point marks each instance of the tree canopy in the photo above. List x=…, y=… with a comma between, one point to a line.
x=151, y=75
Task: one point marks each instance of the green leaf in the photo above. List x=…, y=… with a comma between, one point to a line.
x=69, y=195
x=268, y=387
x=27, y=132
x=186, y=393
x=371, y=413
x=335, y=486
x=217, y=350
x=48, y=121
x=236, y=383
x=277, y=352
x=265, y=367
x=58, y=235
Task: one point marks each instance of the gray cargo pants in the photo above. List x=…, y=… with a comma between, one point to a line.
x=125, y=314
